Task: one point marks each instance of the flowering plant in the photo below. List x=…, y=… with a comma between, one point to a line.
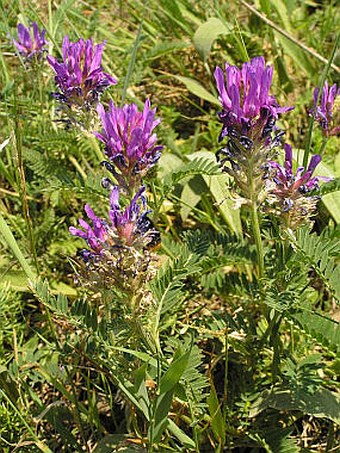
x=31, y=42
x=223, y=340
x=130, y=143
x=326, y=107
x=80, y=77
x=247, y=107
x=290, y=190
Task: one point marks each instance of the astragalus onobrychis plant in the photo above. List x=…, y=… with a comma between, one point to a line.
x=193, y=304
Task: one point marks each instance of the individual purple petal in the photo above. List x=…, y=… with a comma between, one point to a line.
x=223, y=97
x=288, y=159
x=332, y=95
x=315, y=160
x=97, y=57
x=24, y=36
x=114, y=198
x=76, y=232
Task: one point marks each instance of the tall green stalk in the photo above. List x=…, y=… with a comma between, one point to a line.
x=225, y=383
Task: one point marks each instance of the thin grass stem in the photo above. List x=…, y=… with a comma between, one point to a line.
x=17, y=144
x=288, y=36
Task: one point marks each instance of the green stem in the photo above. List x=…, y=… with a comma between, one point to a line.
x=257, y=237
x=225, y=384
x=277, y=347
x=308, y=142
x=323, y=145
x=136, y=324
x=268, y=331
x=153, y=406
x=283, y=251
x=100, y=156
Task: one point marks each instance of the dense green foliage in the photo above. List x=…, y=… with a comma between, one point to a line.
x=222, y=358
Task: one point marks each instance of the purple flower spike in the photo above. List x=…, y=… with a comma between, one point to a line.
x=326, y=108
x=119, y=254
x=289, y=184
x=80, y=77
x=30, y=41
x=130, y=143
x=248, y=108
x=289, y=189
x=131, y=227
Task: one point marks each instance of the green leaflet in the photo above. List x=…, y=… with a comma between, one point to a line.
x=320, y=253
x=217, y=421
x=174, y=372
x=164, y=400
x=12, y=243
x=197, y=89
x=217, y=185
x=207, y=33
x=181, y=436
x=322, y=403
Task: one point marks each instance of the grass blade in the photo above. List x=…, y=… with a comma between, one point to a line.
x=12, y=243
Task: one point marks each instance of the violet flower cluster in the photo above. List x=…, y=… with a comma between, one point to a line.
x=31, y=42
x=327, y=109
x=248, y=108
x=123, y=245
x=130, y=142
x=249, y=114
x=80, y=77
x=290, y=191
x=131, y=227
x=119, y=250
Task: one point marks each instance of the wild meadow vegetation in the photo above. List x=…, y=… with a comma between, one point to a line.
x=169, y=226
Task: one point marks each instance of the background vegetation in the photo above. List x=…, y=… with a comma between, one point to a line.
x=69, y=382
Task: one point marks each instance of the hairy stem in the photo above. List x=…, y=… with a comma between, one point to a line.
x=225, y=383
x=257, y=237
